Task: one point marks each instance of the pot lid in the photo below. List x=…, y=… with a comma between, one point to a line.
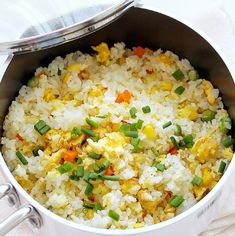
x=34, y=25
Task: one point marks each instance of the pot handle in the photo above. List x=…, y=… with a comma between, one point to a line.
x=21, y=214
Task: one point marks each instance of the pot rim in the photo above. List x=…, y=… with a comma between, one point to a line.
x=194, y=209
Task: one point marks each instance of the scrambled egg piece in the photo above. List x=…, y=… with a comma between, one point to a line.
x=205, y=148
x=209, y=91
x=147, y=201
x=103, y=53
x=188, y=112
x=166, y=86
x=165, y=59
x=110, y=146
x=130, y=186
x=49, y=95
x=228, y=153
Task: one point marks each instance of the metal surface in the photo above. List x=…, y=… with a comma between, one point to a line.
x=154, y=30
x=24, y=212
x=9, y=191
x=65, y=34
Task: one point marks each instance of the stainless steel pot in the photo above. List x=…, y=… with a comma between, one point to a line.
x=140, y=25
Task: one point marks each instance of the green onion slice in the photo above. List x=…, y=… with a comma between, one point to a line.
x=174, y=142
x=94, y=155
x=88, y=132
x=111, y=178
x=208, y=115
x=167, y=124
x=114, y=215
x=146, y=109
x=179, y=90
x=178, y=74
x=65, y=167
x=80, y=171
x=227, y=142
x=176, y=201
x=91, y=122
x=159, y=166
x=133, y=112
x=133, y=134
x=21, y=158
x=88, y=190
x=41, y=127
x=197, y=180
x=222, y=167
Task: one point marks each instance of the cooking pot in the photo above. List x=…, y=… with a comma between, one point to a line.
x=134, y=24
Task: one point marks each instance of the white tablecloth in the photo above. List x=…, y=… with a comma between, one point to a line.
x=216, y=18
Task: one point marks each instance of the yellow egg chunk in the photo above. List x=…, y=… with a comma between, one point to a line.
x=166, y=86
x=205, y=148
x=209, y=91
x=103, y=53
x=188, y=112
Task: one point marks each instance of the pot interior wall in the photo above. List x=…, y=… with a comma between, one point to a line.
x=136, y=27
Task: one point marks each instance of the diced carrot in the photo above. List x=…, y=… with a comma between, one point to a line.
x=139, y=51
x=109, y=171
x=19, y=137
x=125, y=96
x=70, y=155
x=173, y=151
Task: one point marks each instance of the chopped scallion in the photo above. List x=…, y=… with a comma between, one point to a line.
x=227, y=142
x=167, y=124
x=222, y=167
x=95, y=166
x=133, y=127
x=135, y=142
x=146, y=109
x=111, y=178
x=225, y=125
x=98, y=206
x=91, y=122
x=155, y=152
x=133, y=112
x=88, y=132
x=176, y=201
x=21, y=158
x=197, y=180
x=94, y=155
x=159, y=166
x=175, y=144
x=105, y=165
x=78, y=160
x=35, y=150
x=76, y=131
x=65, y=167
x=133, y=134
x=178, y=74
x=179, y=90
x=101, y=117
x=114, y=215
x=80, y=171
x=88, y=190
x=193, y=75
x=41, y=127
x=208, y=115
x=89, y=205
x=178, y=130
x=124, y=127
x=139, y=124
x=33, y=82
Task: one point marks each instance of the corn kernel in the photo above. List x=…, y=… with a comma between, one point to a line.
x=166, y=86
x=149, y=131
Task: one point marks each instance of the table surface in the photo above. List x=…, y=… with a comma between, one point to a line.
x=215, y=18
